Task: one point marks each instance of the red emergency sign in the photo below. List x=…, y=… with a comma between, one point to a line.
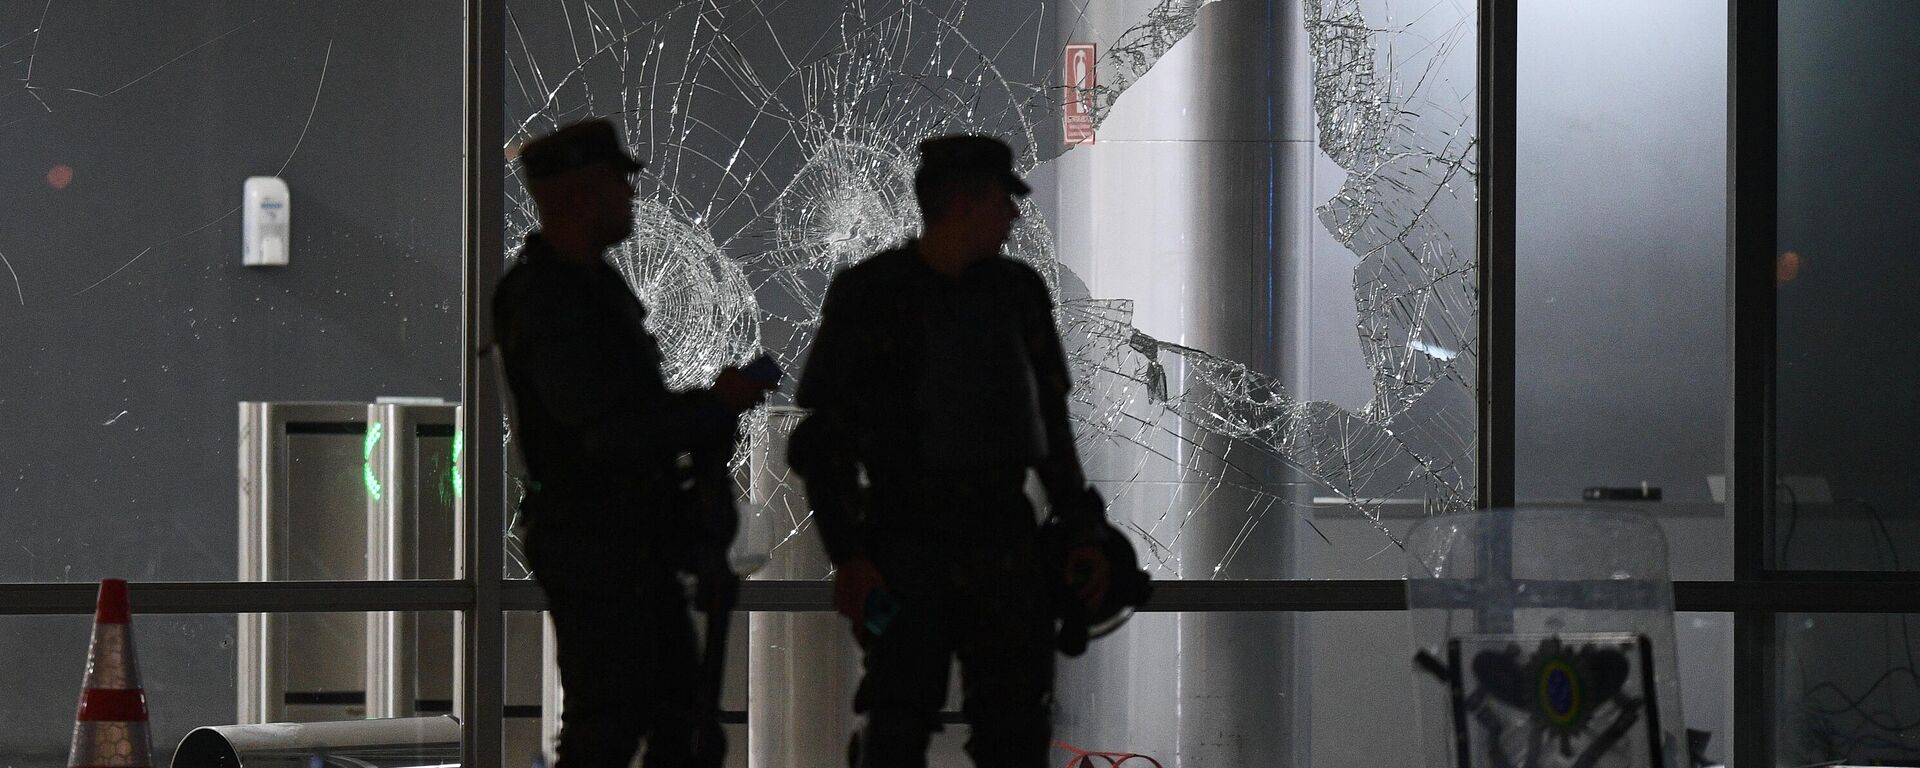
x=1080, y=82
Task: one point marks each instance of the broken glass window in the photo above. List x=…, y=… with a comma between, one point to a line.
x=780, y=142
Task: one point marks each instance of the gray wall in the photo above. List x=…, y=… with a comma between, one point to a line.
x=131, y=329
x=369, y=306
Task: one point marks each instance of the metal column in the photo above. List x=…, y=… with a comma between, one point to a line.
x=482, y=523
x=1196, y=202
x=803, y=665
x=1753, y=177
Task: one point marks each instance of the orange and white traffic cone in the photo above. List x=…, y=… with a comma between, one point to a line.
x=110, y=730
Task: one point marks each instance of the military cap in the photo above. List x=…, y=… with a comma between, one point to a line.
x=586, y=143
x=969, y=155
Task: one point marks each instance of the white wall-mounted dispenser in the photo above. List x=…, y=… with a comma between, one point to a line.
x=265, y=222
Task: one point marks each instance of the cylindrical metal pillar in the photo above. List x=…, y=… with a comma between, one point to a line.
x=1195, y=202
x=804, y=666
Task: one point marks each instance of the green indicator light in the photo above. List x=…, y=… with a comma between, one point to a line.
x=459, y=447
x=372, y=480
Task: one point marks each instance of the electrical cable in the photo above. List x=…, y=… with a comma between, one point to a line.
x=1878, y=719
x=1885, y=720
x=1880, y=522
x=1858, y=705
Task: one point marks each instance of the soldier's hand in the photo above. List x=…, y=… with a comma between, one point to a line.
x=739, y=391
x=852, y=582
x=1088, y=572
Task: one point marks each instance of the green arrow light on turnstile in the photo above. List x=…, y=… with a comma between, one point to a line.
x=372, y=480
x=459, y=446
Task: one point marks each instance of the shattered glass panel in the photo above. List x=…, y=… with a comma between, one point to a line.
x=1406, y=140
x=780, y=143
x=1135, y=50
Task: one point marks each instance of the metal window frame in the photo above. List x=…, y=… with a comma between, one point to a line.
x=1753, y=134
x=1813, y=593
x=480, y=666
x=1755, y=596
x=1752, y=229
x=1499, y=44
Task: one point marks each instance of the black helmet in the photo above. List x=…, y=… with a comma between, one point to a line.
x=1128, y=587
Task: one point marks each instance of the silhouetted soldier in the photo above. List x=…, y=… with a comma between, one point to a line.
x=938, y=374
x=601, y=434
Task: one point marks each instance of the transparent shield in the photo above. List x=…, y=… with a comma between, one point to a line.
x=1545, y=637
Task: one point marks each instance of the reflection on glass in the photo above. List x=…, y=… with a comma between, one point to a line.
x=1705, y=643
x=1849, y=690
x=780, y=149
x=132, y=327
x=1620, y=275
x=1846, y=496
x=1552, y=632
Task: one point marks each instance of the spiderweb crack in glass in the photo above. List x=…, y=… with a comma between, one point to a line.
x=699, y=302
x=1137, y=49
x=1124, y=397
x=780, y=146
x=1415, y=289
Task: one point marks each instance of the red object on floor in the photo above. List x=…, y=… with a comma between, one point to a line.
x=1083, y=758
x=110, y=728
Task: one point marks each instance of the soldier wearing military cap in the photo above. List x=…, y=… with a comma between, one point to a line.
x=937, y=383
x=600, y=433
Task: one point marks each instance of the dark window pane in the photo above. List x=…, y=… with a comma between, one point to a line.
x=1849, y=692
x=1847, y=494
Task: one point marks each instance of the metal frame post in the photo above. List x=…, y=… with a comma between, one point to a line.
x=1752, y=231
x=1499, y=43
x=480, y=695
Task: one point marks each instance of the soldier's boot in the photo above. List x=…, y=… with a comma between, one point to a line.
x=1014, y=737
x=892, y=738
x=609, y=739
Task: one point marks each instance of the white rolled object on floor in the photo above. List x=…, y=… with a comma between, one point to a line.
x=404, y=741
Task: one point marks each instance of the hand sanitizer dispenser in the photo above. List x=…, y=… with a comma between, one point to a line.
x=266, y=213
